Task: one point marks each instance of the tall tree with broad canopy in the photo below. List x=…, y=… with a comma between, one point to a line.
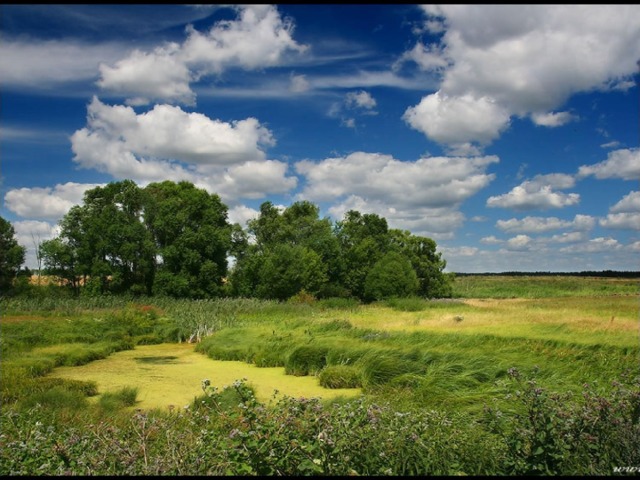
x=286, y=270
x=12, y=256
x=363, y=239
x=427, y=263
x=112, y=249
x=294, y=250
x=192, y=236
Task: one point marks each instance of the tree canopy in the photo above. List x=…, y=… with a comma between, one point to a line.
x=175, y=239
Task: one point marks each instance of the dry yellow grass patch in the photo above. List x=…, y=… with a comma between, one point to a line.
x=607, y=320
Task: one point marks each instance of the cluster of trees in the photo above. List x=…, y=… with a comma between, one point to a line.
x=174, y=239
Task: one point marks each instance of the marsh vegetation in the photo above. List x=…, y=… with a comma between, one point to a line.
x=491, y=381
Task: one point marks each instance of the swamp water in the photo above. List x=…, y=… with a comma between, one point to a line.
x=172, y=374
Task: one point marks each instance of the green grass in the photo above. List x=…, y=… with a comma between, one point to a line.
x=429, y=372
x=536, y=286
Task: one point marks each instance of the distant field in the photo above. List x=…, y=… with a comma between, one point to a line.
x=539, y=286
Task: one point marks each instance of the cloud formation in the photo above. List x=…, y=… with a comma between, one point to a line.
x=46, y=203
x=500, y=61
x=424, y=194
x=538, y=194
x=258, y=38
x=542, y=224
x=624, y=164
x=168, y=143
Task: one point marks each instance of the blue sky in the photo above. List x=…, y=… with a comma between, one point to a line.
x=507, y=133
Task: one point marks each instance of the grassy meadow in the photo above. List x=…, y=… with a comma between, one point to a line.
x=513, y=375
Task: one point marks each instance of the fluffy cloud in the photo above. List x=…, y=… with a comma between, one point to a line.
x=428, y=58
x=421, y=196
x=258, y=38
x=360, y=99
x=149, y=76
x=241, y=214
x=538, y=194
x=624, y=164
x=622, y=221
x=169, y=143
x=541, y=224
x=629, y=203
x=505, y=60
x=552, y=119
x=519, y=242
x=48, y=203
x=458, y=119
x=432, y=182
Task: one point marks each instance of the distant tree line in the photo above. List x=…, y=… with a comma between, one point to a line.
x=175, y=239
x=586, y=273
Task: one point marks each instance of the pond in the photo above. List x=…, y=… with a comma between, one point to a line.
x=172, y=374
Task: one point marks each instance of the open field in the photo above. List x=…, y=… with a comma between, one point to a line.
x=466, y=362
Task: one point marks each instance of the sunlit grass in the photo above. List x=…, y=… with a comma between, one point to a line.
x=589, y=320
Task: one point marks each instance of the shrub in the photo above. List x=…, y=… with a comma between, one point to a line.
x=339, y=376
x=306, y=360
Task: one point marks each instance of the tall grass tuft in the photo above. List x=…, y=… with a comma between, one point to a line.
x=112, y=401
x=306, y=360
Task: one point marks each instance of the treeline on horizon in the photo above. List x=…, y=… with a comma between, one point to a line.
x=584, y=273
x=174, y=239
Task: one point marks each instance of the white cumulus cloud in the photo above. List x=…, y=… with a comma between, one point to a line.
x=545, y=224
x=520, y=60
x=538, y=194
x=46, y=202
x=629, y=203
x=623, y=163
x=167, y=143
x=258, y=38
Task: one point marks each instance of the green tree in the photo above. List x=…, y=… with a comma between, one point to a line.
x=363, y=240
x=60, y=260
x=391, y=276
x=12, y=255
x=288, y=269
x=113, y=249
x=193, y=237
x=426, y=261
x=297, y=232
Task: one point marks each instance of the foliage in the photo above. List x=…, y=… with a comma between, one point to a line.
x=168, y=238
x=391, y=276
x=229, y=432
x=192, y=236
x=286, y=270
x=553, y=434
x=11, y=255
